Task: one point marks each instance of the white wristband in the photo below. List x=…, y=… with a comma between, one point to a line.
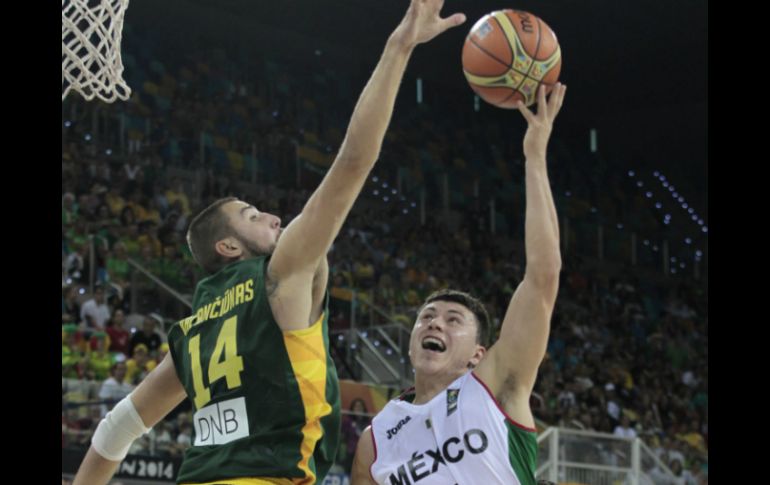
x=116, y=432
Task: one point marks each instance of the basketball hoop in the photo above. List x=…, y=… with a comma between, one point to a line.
x=91, y=65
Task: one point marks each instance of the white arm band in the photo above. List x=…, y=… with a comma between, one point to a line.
x=116, y=432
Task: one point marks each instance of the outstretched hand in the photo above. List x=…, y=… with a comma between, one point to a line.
x=541, y=124
x=423, y=22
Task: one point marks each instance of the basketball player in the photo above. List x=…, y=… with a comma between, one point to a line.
x=468, y=419
x=253, y=357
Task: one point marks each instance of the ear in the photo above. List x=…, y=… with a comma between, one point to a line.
x=477, y=356
x=229, y=247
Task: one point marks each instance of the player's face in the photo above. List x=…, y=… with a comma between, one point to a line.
x=444, y=339
x=257, y=231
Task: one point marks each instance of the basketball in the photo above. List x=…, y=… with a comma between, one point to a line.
x=507, y=55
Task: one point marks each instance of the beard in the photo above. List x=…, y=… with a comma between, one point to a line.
x=252, y=250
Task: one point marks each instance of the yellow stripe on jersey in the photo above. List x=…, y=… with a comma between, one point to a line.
x=308, y=360
x=247, y=481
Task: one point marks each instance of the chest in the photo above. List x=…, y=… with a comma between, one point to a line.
x=458, y=437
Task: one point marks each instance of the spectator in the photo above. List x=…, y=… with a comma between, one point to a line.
x=694, y=475
x=148, y=236
x=70, y=308
x=176, y=193
x=676, y=468
x=353, y=424
x=147, y=335
x=184, y=439
x=694, y=438
x=75, y=263
x=95, y=312
x=138, y=366
x=100, y=360
x=119, y=270
x=127, y=216
x=115, y=387
x=69, y=209
x=624, y=429
x=72, y=352
x=114, y=200
x=119, y=336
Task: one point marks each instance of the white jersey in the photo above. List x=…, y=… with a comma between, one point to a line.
x=460, y=437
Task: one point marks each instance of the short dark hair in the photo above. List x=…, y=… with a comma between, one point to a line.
x=484, y=333
x=208, y=227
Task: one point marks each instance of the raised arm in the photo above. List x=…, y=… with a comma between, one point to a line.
x=510, y=367
x=309, y=236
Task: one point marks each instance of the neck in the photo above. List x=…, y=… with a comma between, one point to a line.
x=427, y=387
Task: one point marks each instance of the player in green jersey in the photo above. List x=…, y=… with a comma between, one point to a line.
x=253, y=357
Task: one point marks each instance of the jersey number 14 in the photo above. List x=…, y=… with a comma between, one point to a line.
x=230, y=368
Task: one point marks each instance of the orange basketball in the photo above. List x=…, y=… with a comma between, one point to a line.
x=508, y=54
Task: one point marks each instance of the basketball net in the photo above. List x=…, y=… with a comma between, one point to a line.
x=90, y=49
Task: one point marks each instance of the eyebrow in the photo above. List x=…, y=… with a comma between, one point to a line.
x=457, y=312
x=244, y=209
x=433, y=309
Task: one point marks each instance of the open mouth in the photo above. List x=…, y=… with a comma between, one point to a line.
x=433, y=344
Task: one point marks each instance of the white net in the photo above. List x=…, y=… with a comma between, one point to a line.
x=91, y=31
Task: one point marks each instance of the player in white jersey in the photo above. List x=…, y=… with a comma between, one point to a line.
x=468, y=421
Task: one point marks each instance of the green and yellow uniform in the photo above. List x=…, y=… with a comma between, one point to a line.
x=266, y=402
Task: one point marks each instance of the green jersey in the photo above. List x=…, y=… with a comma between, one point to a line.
x=266, y=402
